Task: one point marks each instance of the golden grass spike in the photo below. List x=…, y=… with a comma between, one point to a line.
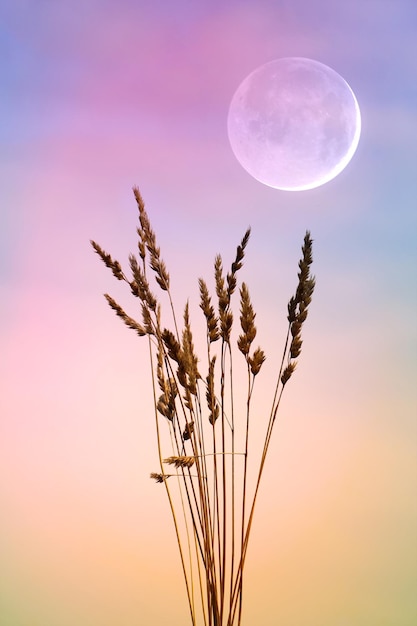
x=226, y=323
x=140, y=285
x=129, y=321
x=147, y=239
x=172, y=345
x=237, y=264
x=190, y=359
x=115, y=266
x=287, y=373
x=247, y=321
x=256, y=361
x=210, y=394
x=180, y=461
x=219, y=280
x=188, y=431
x=208, y=310
x=160, y=478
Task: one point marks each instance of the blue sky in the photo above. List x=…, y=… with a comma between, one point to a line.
x=98, y=97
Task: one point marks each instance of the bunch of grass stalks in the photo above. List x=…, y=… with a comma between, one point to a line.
x=206, y=473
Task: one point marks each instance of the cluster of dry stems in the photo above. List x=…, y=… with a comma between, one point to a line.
x=214, y=513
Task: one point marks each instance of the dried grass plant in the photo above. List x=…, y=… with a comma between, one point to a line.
x=211, y=504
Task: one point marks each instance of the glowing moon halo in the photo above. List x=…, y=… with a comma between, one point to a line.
x=294, y=124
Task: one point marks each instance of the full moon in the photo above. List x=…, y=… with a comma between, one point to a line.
x=294, y=124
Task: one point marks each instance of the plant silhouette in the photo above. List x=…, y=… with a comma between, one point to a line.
x=211, y=504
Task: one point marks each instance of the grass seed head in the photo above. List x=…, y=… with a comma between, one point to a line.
x=115, y=266
x=256, y=361
x=159, y=478
x=180, y=461
x=287, y=373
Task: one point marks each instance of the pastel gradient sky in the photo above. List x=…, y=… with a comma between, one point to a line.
x=97, y=96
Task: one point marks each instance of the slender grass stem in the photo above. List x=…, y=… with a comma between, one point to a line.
x=171, y=505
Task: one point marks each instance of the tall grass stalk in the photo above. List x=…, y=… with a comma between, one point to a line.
x=211, y=504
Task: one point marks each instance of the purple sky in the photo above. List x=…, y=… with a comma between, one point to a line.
x=98, y=97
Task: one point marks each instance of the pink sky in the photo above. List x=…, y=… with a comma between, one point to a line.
x=99, y=97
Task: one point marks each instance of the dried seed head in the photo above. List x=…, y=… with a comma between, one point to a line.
x=147, y=239
x=166, y=406
x=115, y=266
x=219, y=280
x=172, y=345
x=247, y=321
x=190, y=359
x=256, y=361
x=286, y=375
x=129, y=321
x=295, y=348
x=147, y=320
x=210, y=395
x=298, y=304
x=141, y=244
x=295, y=327
x=292, y=308
x=159, y=267
x=208, y=310
x=180, y=461
x=140, y=285
x=237, y=264
x=166, y=402
x=188, y=431
x=160, y=478
x=139, y=199
x=226, y=323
